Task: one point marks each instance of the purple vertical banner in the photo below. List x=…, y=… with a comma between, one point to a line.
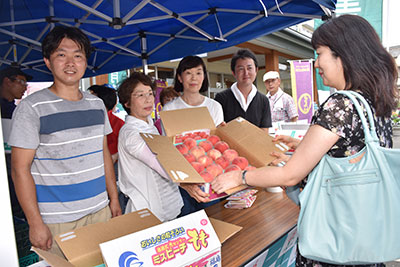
x=160, y=85
x=302, y=88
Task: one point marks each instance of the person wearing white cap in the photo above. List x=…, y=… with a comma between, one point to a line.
x=282, y=105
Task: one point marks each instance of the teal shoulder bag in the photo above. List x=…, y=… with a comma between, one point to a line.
x=350, y=212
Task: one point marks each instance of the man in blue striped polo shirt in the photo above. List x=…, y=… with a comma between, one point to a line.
x=61, y=166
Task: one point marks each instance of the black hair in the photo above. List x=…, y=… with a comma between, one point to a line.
x=190, y=62
x=127, y=87
x=53, y=39
x=367, y=66
x=242, y=54
x=107, y=94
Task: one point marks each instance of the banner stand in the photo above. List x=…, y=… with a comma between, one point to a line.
x=301, y=73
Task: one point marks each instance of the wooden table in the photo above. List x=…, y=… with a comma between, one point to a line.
x=271, y=216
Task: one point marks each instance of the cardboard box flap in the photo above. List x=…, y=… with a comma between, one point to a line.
x=236, y=189
x=252, y=142
x=224, y=230
x=188, y=119
x=174, y=164
x=52, y=259
x=81, y=246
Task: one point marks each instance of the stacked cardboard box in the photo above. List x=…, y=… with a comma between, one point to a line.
x=81, y=246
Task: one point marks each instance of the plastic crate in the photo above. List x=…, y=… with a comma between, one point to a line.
x=25, y=255
x=28, y=260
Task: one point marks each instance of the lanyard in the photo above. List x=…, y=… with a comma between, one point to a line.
x=276, y=100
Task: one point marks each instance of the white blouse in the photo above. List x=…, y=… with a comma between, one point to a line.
x=141, y=177
x=213, y=107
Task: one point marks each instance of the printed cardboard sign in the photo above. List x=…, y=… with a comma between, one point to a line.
x=186, y=241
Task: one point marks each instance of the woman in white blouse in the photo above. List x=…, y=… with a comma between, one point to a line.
x=141, y=177
x=191, y=80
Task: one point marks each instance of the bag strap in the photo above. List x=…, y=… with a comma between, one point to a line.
x=369, y=132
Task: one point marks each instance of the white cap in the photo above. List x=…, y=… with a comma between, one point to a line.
x=271, y=75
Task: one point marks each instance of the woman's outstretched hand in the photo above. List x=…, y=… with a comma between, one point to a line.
x=226, y=181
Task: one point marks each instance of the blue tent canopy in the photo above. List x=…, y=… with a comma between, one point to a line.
x=132, y=33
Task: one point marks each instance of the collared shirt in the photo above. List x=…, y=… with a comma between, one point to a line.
x=282, y=106
x=240, y=98
x=258, y=111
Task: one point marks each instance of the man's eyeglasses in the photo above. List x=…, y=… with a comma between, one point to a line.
x=23, y=82
x=144, y=95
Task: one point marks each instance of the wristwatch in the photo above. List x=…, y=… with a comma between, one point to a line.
x=244, y=177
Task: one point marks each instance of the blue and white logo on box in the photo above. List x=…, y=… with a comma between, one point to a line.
x=129, y=259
